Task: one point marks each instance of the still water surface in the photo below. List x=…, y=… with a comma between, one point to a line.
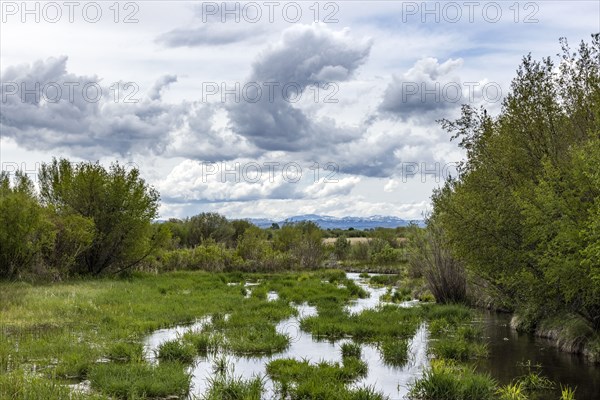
x=507, y=349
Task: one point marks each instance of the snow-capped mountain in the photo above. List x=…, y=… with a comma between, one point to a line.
x=326, y=221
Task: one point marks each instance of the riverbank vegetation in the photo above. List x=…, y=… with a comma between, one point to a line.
x=523, y=215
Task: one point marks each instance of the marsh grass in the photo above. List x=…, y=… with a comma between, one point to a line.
x=449, y=381
x=454, y=348
x=532, y=384
x=64, y=329
x=204, y=342
x=125, y=352
x=20, y=385
x=394, y=352
x=227, y=387
x=511, y=391
x=385, y=280
x=566, y=393
x=397, y=296
x=140, y=380
x=323, y=380
x=350, y=349
x=176, y=351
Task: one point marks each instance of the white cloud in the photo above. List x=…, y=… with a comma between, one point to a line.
x=369, y=133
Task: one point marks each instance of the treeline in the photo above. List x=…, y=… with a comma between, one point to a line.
x=88, y=220
x=84, y=220
x=523, y=216
x=209, y=241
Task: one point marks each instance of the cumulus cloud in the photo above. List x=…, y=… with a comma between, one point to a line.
x=336, y=187
x=305, y=55
x=162, y=83
x=427, y=88
x=193, y=181
x=46, y=107
x=197, y=132
x=337, y=206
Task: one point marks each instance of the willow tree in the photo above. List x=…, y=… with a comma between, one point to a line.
x=118, y=201
x=25, y=232
x=523, y=213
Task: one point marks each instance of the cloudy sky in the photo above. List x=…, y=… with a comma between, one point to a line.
x=266, y=109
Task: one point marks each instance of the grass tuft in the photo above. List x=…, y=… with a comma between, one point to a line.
x=140, y=380
x=176, y=351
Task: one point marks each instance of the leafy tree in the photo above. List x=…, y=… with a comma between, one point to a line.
x=341, y=247
x=25, y=232
x=253, y=245
x=303, y=240
x=309, y=251
x=74, y=234
x=209, y=226
x=239, y=227
x=119, y=202
x=522, y=214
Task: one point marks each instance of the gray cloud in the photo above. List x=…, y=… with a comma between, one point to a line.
x=162, y=83
x=37, y=118
x=305, y=55
x=424, y=90
x=208, y=29
x=210, y=34
x=56, y=109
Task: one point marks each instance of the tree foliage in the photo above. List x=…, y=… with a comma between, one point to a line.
x=118, y=201
x=523, y=213
x=25, y=232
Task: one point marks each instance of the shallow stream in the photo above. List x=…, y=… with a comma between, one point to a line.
x=507, y=349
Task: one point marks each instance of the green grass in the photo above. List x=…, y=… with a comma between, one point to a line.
x=394, y=352
x=385, y=280
x=204, y=342
x=511, y=391
x=453, y=348
x=449, y=381
x=374, y=325
x=223, y=387
x=323, y=380
x=20, y=385
x=93, y=329
x=125, y=352
x=176, y=351
x=140, y=380
x=64, y=328
x=350, y=349
x=397, y=296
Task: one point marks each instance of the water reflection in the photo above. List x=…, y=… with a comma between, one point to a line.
x=392, y=381
x=508, y=348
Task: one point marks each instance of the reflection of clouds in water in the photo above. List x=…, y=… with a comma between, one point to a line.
x=392, y=381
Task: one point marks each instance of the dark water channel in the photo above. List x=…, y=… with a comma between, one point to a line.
x=508, y=349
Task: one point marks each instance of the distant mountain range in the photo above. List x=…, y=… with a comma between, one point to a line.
x=326, y=222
